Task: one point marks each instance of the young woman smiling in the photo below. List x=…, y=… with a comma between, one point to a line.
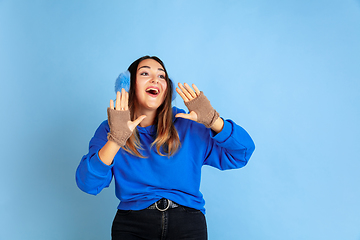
x=155, y=153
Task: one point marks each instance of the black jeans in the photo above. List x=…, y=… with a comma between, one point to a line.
x=172, y=224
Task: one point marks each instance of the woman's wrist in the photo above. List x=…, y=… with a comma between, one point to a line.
x=218, y=125
x=108, y=152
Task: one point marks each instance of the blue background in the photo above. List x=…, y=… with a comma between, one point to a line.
x=287, y=71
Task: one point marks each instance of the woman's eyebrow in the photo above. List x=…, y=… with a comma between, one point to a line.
x=143, y=67
x=160, y=69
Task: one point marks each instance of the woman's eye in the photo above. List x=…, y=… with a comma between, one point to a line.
x=162, y=76
x=144, y=74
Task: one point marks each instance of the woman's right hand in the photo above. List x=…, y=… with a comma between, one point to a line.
x=122, y=104
x=121, y=126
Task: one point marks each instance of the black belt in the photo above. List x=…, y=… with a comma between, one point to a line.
x=163, y=205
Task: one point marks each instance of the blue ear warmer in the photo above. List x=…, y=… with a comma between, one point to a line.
x=123, y=81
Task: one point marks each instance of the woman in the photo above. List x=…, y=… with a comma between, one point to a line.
x=155, y=153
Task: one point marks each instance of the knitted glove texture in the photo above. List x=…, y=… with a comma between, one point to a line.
x=119, y=130
x=206, y=114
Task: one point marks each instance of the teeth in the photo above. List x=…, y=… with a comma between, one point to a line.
x=152, y=89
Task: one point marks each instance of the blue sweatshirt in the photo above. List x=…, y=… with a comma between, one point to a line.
x=139, y=182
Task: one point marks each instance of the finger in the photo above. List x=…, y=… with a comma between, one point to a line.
x=126, y=101
x=183, y=115
x=122, y=100
x=117, y=104
x=191, y=116
x=111, y=104
x=182, y=95
x=136, y=122
x=186, y=93
x=190, y=90
x=196, y=89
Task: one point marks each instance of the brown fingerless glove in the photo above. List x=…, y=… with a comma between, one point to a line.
x=206, y=114
x=119, y=130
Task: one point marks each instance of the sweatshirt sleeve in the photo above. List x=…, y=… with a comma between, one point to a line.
x=229, y=149
x=92, y=175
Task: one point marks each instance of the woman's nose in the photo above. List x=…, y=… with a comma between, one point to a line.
x=154, y=80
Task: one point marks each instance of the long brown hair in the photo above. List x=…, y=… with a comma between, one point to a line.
x=167, y=140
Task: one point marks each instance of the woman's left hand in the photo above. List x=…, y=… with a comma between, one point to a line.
x=188, y=94
x=200, y=108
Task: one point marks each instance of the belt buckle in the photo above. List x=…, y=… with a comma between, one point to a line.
x=163, y=210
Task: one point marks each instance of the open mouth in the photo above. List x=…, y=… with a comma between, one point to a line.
x=152, y=91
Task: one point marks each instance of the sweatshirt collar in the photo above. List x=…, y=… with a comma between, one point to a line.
x=152, y=128
x=147, y=130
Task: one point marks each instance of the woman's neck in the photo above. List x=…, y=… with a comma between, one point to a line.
x=150, y=116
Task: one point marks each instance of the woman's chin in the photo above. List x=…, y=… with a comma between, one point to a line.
x=153, y=104
x=150, y=106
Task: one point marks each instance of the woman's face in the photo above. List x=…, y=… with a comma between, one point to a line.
x=150, y=84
